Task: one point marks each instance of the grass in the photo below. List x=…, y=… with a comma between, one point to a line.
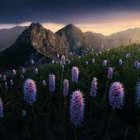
x=45, y=119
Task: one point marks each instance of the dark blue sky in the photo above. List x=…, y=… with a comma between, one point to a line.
x=61, y=11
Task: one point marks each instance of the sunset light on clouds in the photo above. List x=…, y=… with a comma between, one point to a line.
x=106, y=24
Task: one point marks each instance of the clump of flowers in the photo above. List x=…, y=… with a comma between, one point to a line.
x=30, y=91
x=1, y=109
x=116, y=95
x=94, y=84
x=77, y=109
x=110, y=73
x=75, y=74
x=65, y=87
x=51, y=82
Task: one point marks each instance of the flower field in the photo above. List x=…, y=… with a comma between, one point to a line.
x=95, y=96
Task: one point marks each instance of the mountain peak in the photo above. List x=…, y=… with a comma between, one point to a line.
x=71, y=26
x=33, y=24
x=68, y=28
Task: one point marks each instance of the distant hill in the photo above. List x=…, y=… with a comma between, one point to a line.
x=96, y=40
x=9, y=36
x=124, y=37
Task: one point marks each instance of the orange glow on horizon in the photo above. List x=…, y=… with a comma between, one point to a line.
x=104, y=26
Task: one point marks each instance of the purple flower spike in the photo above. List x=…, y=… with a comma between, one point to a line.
x=116, y=95
x=94, y=87
x=138, y=94
x=1, y=109
x=77, y=109
x=65, y=87
x=75, y=74
x=51, y=82
x=30, y=91
x=110, y=73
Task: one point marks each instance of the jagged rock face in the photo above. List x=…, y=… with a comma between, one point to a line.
x=42, y=45
x=47, y=42
x=35, y=41
x=74, y=37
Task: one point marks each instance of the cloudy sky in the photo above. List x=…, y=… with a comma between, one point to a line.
x=103, y=16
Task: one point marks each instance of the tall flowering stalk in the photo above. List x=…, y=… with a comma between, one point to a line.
x=11, y=82
x=75, y=74
x=116, y=100
x=65, y=93
x=21, y=76
x=116, y=95
x=77, y=107
x=109, y=77
x=1, y=109
x=86, y=63
x=105, y=63
x=6, y=86
x=44, y=83
x=110, y=73
x=94, y=83
x=14, y=72
x=65, y=87
x=136, y=64
x=137, y=102
x=36, y=71
x=120, y=62
x=93, y=60
x=23, y=70
x=137, y=99
x=30, y=91
x=63, y=60
x=32, y=62
x=51, y=82
x=4, y=77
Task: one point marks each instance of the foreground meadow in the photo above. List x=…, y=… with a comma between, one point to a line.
x=74, y=99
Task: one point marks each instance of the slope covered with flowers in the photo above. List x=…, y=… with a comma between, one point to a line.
x=43, y=110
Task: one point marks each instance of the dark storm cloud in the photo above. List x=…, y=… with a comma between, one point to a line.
x=64, y=11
